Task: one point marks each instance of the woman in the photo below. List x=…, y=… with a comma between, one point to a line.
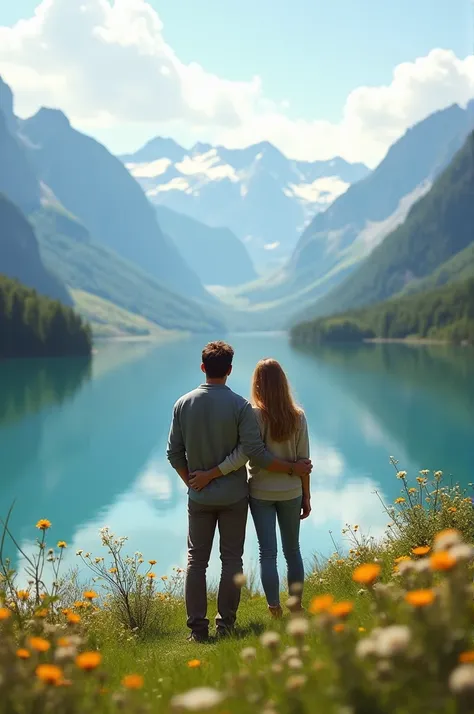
x=277, y=496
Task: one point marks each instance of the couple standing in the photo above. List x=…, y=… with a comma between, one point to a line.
x=214, y=433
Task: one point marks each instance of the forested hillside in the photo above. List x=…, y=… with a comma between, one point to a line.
x=446, y=313
x=35, y=326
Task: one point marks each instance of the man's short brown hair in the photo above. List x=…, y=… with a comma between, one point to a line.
x=217, y=359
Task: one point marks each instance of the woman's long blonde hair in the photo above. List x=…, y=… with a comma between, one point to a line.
x=271, y=393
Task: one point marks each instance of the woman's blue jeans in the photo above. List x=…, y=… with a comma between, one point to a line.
x=265, y=515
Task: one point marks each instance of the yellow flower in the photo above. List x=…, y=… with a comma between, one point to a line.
x=112, y=570
x=133, y=681
x=5, y=613
x=421, y=480
x=400, y=500
x=402, y=474
x=49, y=673
x=39, y=644
x=361, y=629
x=73, y=618
x=62, y=544
x=412, y=490
x=421, y=550
x=366, y=574
x=79, y=604
x=442, y=560
x=341, y=609
x=420, y=598
x=321, y=603
x=151, y=576
x=88, y=660
x=43, y=524
x=356, y=527
x=340, y=561
x=402, y=558
x=90, y=595
x=194, y=663
x=466, y=657
x=164, y=578
x=438, y=474
x=152, y=562
x=22, y=653
x=22, y=594
x=339, y=627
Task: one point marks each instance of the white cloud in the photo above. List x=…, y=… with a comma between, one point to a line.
x=106, y=62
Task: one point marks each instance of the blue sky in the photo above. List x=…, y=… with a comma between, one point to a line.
x=309, y=53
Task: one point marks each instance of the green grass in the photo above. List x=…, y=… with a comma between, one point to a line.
x=110, y=320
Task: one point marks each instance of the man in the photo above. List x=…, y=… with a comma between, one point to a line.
x=207, y=425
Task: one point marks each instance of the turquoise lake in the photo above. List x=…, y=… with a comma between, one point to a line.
x=83, y=444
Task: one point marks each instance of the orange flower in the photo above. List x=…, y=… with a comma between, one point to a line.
x=151, y=576
x=65, y=611
x=442, y=560
x=420, y=598
x=152, y=562
x=339, y=627
x=88, y=660
x=43, y=524
x=22, y=595
x=39, y=644
x=341, y=609
x=5, y=613
x=321, y=603
x=366, y=574
x=133, y=681
x=402, y=558
x=43, y=612
x=64, y=642
x=421, y=550
x=453, y=509
x=194, y=663
x=79, y=604
x=22, y=653
x=49, y=673
x=466, y=657
x=90, y=595
x=73, y=618
x=447, y=532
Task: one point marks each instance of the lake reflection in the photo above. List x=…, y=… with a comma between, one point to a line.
x=84, y=445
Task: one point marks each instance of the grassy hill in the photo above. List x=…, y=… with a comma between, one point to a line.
x=85, y=265
x=108, y=320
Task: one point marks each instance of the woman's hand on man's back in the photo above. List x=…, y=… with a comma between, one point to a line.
x=303, y=467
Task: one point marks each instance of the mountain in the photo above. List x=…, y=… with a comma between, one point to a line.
x=55, y=238
x=438, y=227
x=258, y=193
x=444, y=313
x=215, y=254
x=94, y=186
x=87, y=266
x=339, y=239
x=20, y=257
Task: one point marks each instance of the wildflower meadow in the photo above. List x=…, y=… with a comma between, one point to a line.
x=387, y=627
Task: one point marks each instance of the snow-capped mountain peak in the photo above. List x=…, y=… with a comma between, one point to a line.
x=257, y=192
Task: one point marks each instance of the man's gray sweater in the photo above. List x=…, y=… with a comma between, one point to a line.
x=208, y=424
